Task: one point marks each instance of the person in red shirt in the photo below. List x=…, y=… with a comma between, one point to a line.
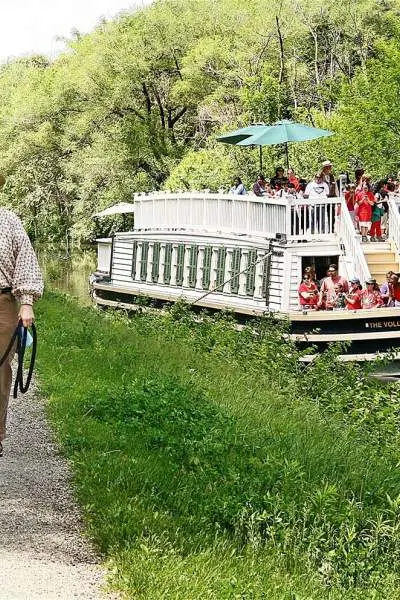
x=394, y=290
x=350, y=200
x=353, y=298
x=365, y=200
x=327, y=289
x=371, y=297
x=308, y=292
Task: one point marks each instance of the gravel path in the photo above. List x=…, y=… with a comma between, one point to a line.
x=42, y=551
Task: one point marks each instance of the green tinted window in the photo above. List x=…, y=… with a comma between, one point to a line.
x=155, y=268
x=180, y=264
x=205, y=281
x=143, y=261
x=194, y=253
x=167, y=263
x=235, y=270
x=251, y=273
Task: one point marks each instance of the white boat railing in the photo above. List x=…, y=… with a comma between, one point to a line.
x=297, y=218
x=211, y=212
x=312, y=218
x=349, y=239
x=394, y=219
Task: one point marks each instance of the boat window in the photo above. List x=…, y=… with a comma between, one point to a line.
x=180, y=264
x=251, y=272
x=143, y=261
x=155, y=267
x=220, y=270
x=235, y=269
x=194, y=253
x=134, y=257
x=167, y=263
x=205, y=281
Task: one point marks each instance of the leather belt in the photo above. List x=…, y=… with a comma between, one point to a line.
x=5, y=290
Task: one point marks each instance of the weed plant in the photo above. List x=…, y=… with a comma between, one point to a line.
x=211, y=464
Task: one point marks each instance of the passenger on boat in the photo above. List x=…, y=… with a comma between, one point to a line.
x=381, y=196
x=394, y=287
x=349, y=197
x=238, y=188
x=377, y=212
x=329, y=178
x=327, y=289
x=293, y=180
x=317, y=188
x=371, y=297
x=279, y=180
x=260, y=186
x=308, y=292
x=358, y=173
x=385, y=289
x=339, y=300
x=353, y=297
x=363, y=208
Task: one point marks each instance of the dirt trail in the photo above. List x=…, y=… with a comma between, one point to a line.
x=42, y=551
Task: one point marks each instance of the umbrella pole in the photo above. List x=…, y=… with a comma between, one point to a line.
x=287, y=155
x=260, y=159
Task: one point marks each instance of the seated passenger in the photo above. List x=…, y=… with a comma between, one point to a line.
x=279, y=181
x=308, y=292
x=238, y=188
x=353, y=297
x=371, y=296
x=260, y=186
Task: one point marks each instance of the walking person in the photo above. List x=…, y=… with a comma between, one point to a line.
x=20, y=284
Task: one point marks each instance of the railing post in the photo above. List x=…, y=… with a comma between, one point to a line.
x=244, y=263
x=288, y=217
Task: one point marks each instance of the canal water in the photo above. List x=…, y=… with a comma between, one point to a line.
x=69, y=273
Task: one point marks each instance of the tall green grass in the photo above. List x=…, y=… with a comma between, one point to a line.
x=210, y=464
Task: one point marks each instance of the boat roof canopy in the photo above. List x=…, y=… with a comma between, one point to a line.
x=116, y=209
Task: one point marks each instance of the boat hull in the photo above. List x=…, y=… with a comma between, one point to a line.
x=364, y=331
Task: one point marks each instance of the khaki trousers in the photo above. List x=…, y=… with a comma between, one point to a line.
x=8, y=323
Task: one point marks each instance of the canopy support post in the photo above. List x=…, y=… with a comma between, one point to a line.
x=287, y=155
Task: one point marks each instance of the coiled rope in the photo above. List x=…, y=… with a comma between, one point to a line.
x=20, y=334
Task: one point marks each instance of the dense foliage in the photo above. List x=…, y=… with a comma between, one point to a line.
x=129, y=106
x=211, y=465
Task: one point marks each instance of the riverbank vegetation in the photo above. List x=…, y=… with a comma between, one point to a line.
x=136, y=105
x=211, y=465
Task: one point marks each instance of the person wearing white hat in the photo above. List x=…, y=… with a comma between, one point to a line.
x=329, y=178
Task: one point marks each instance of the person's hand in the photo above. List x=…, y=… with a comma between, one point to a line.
x=26, y=315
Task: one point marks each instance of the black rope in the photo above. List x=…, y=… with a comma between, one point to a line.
x=20, y=334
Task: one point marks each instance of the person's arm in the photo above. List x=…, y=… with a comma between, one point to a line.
x=27, y=283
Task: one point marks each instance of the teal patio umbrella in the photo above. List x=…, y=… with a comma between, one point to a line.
x=281, y=132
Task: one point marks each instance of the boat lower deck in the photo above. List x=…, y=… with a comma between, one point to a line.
x=366, y=330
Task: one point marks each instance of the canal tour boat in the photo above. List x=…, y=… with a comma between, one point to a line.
x=247, y=254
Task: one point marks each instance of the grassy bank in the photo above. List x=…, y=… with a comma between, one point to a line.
x=211, y=466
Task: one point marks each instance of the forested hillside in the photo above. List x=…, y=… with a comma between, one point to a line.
x=137, y=104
